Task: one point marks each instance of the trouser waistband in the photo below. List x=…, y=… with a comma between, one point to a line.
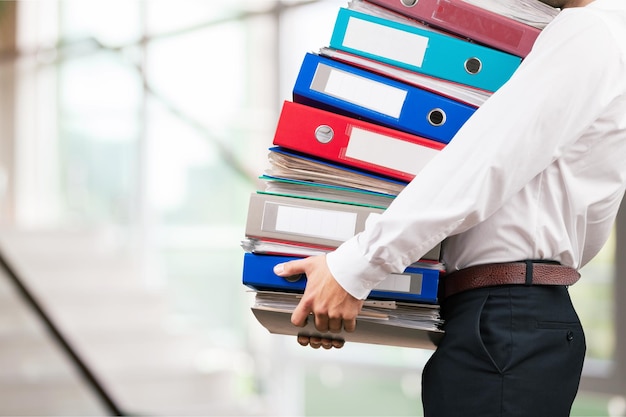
x=526, y=272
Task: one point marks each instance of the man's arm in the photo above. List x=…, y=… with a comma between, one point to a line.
x=524, y=127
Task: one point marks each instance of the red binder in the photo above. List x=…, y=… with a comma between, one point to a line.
x=470, y=21
x=353, y=142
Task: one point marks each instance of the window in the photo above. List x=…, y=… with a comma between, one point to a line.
x=151, y=120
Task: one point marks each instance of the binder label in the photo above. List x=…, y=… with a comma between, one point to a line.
x=319, y=223
x=385, y=41
x=359, y=90
x=402, y=283
x=382, y=150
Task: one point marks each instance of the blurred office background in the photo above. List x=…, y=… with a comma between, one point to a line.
x=131, y=134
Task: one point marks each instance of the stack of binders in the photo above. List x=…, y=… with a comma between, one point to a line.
x=397, y=81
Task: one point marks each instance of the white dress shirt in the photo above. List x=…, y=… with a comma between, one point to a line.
x=538, y=172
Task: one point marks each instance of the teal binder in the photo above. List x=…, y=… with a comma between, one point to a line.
x=415, y=47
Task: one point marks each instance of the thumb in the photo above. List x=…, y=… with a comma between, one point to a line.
x=290, y=268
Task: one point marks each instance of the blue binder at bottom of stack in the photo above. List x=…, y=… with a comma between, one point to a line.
x=416, y=284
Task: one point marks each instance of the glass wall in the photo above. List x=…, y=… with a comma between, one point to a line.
x=151, y=120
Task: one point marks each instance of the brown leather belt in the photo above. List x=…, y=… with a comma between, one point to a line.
x=513, y=273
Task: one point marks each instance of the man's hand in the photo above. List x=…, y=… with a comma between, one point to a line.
x=316, y=342
x=333, y=307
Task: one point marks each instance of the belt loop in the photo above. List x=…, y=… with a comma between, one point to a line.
x=529, y=272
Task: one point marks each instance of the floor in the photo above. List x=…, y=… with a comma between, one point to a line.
x=121, y=329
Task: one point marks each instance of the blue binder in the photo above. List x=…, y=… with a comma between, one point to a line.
x=342, y=88
x=413, y=47
x=417, y=284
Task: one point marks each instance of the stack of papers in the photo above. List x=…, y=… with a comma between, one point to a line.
x=390, y=323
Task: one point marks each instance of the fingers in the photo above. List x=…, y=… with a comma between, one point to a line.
x=338, y=343
x=321, y=322
x=324, y=323
x=349, y=325
x=300, y=314
x=316, y=342
x=303, y=340
x=335, y=325
x=332, y=307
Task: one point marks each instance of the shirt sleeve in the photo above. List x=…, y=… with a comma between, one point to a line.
x=521, y=129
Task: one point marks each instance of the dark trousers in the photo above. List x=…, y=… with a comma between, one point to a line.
x=509, y=351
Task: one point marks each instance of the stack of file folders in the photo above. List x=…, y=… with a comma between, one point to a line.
x=397, y=81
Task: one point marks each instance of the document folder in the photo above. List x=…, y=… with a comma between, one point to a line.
x=415, y=284
x=353, y=142
x=470, y=21
x=325, y=192
x=274, y=247
x=300, y=220
x=307, y=221
x=298, y=166
x=401, y=324
x=302, y=250
x=342, y=88
x=416, y=47
x=455, y=91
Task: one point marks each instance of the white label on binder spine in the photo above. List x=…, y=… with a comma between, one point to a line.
x=398, y=283
x=358, y=90
x=385, y=151
x=386, y=42
x=327, y=224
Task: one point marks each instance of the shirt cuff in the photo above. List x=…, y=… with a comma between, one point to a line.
x=353, y=271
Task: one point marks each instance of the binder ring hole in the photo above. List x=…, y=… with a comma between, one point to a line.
x=324, y=133
x=408, y=3
x=294, y=278
x=436, y=117
x=473, y=65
